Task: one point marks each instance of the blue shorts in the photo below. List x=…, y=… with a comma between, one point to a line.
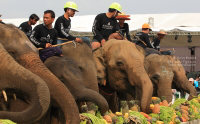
x=95, y=40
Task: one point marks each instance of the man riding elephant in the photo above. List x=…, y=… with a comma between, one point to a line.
x=105, y=24
x=142, y=39
x=156, y=43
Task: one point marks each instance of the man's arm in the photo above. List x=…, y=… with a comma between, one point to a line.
x=156, y=44
x=95, y=27
x=148, y=41
x=62, y=30
x=34, y=40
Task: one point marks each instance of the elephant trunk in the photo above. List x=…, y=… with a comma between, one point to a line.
x=165, y=90
x=15, y=76
x=58, y=91
x=95, y=97
x=91, y=78
x=139, y=78
x=183, y=83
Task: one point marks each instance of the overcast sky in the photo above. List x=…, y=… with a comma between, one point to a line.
x=24, y=8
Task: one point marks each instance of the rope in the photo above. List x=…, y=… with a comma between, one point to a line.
x=120, y=34
x=61, y=44
x=140, y=40
x=105, y=92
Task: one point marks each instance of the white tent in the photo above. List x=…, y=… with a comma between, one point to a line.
x=181, y=21
x=179, y=24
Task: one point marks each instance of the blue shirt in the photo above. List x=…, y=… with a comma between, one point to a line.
x=196, y=83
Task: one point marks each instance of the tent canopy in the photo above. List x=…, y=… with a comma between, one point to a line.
x=175, y=24
x=181, y=21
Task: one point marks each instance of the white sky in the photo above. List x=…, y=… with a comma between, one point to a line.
x=24, y=8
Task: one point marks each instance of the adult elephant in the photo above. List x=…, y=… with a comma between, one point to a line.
x=124, y=66
x=15, y=77
x=70, y=74
x=165, y=69
x=18, y=45
x=83, y=56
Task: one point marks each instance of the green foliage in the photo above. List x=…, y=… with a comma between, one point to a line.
x=120, y=120
x=178, y=113
x=83, y=122
x=178, y=102
x=153, y=115
x=137, y=114
x=98, y=114
x=196, y=104
x=95, y=120
x=6, y=121
x=166, y=114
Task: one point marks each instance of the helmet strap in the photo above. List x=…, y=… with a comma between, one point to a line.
x=115, y=13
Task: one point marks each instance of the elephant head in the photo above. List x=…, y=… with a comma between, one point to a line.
x=14, y=76
x=125, y=70
x=22, y=50
x=65, y=69
x=162, y=70
x=83, y=56
x=161, y=75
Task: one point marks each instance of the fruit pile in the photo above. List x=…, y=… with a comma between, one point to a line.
x=160, y=113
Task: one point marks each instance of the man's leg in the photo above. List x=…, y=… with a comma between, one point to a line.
x=168, y=52
x=59, y=41
x=151, y=51
x=86, y=40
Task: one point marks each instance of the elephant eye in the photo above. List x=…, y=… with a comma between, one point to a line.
x=119, y=63
x=155, y=78
x=81, y=69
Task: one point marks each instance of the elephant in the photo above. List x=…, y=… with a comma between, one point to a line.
x=15, y=77
x=123, y=66
x=70, y=74
x=25, y=53
x=83, y=56
x=165, y=69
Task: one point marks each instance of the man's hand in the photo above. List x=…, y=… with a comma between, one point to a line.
x=78, y=40
x=102, y=42
x=48, y=45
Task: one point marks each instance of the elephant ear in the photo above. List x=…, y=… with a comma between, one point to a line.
x=98, y=53
x=100, y=65
x=141, y=50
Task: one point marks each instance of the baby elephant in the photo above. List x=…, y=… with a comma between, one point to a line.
x=70, y=75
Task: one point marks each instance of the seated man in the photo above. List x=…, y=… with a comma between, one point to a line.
x=44, y=36
x=26, y=26
x=156, y=42
x=142, y=39
x=124, y=27
x=104, y=25
x=63, y=24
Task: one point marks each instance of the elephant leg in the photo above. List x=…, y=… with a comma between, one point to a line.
x=3, y=105
x=57, y=116
x=112, y=102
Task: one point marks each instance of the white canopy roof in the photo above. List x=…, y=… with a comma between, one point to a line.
x=182, y=21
